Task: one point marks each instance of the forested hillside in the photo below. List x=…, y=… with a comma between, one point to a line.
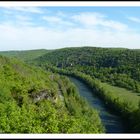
x=119, y=67
x=37, y=101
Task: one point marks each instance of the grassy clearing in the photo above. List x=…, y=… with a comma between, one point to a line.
x=123, y=94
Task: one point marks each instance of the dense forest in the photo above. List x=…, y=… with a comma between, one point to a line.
x=37, y=101
x=39, y=89
x=119, y=67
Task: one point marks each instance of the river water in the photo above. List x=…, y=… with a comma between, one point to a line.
x=111, y=121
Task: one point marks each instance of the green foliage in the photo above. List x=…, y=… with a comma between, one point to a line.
x=123, y=101
x=119, y=67
x=106, y=71
x=82, y=114
x=115, y=69
x=37, y=101
x=25, y=55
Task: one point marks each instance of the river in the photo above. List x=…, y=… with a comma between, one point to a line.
x=111, y=121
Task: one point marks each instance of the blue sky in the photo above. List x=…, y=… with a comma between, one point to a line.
x=24, y=28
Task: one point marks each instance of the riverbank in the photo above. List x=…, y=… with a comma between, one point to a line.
x=112, y=122
x=125, y=104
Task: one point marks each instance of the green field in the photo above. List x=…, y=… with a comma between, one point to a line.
x=116, y=92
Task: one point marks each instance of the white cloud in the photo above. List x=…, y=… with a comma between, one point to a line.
x=52, y=19
x=98, y=32
x=114, y=24
x=23, y=20
x=35, y=10
x=61, y=14
x=13, y=38
x=95, y=19
x=88, y=19
x=18, y=20
x=57, y=20
x=134, y=19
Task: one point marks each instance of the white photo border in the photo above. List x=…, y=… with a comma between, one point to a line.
x=68, y=4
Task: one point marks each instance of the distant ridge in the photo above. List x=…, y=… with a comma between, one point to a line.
x=24, y=55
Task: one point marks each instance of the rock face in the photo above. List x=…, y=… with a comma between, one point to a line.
x=46, y=94
x=40, y=96
x=60, y=95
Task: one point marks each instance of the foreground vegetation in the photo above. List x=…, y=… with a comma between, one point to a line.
x=34, y=101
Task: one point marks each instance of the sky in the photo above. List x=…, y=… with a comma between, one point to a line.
x=52, y=27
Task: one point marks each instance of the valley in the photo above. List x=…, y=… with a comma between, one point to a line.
x=111, y=121
x=104, y=91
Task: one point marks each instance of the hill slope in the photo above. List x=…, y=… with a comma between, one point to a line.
x=34, y=101
x=24, y=55
x=119, y=67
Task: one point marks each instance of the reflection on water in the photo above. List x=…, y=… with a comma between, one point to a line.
x=112, y=122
